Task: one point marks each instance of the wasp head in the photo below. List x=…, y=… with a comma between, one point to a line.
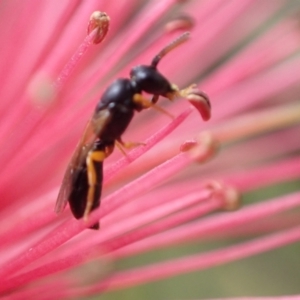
x=149, y=80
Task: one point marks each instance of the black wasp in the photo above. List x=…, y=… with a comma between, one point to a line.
x=82, y=183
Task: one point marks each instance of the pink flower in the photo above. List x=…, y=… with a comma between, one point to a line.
x=170, y=192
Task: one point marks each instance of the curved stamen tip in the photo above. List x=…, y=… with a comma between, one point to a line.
x=99, y=21
x=200, y=101
x=230, y=196
x=188, y=145
x=183, y=22
x=202, y=149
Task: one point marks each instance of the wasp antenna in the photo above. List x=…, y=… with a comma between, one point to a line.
x=178, y=41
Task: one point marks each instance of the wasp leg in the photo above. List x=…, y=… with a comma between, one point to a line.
x=93, y=159
x=188, y=92
x=94, y=167
x=127, y=145
x=145, y=103
x=185, y=93
x=191, y=89
x=154, y=99
x=122, y=146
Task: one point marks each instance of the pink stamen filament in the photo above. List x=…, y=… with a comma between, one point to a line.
x=64, y=232
x=259, y=122
x=111, y=240
x=198, y=262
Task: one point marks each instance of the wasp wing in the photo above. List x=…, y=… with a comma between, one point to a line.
x=92, y=131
